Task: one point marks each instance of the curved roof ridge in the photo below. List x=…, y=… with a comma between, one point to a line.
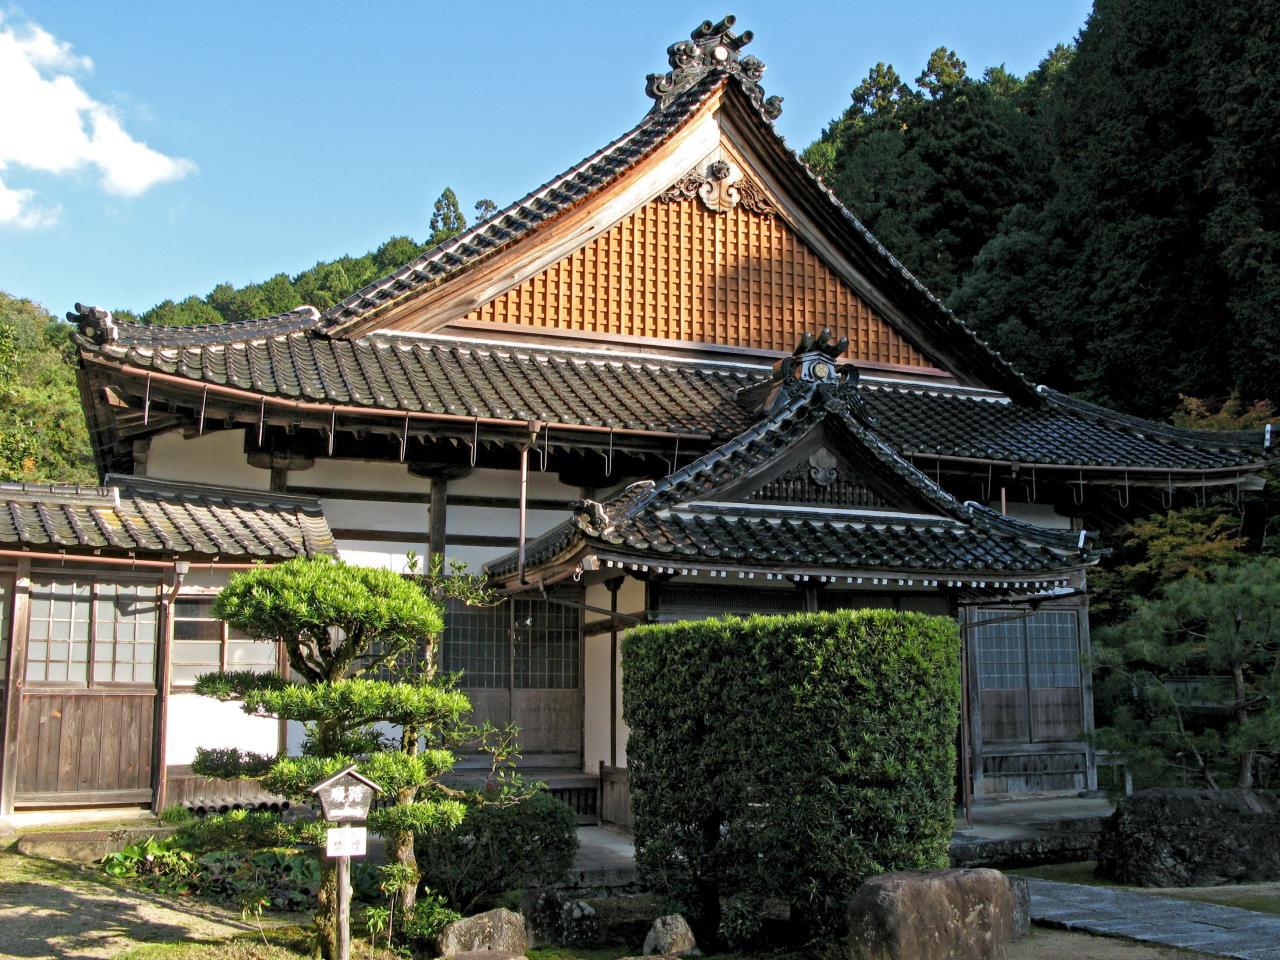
x=1001, y=522
x=97, y=327
x=1208, y=439
x=526, y=214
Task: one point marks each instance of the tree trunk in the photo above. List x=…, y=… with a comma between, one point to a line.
x=405, y=857
x=327, y=916
x=1242, y=717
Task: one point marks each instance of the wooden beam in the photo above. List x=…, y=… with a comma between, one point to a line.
x=20, y=624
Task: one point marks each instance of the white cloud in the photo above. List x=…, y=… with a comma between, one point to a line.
x=48, y=123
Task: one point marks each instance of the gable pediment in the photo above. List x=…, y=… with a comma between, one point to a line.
x=694, y=247
x=712, y=260
x=823, y=468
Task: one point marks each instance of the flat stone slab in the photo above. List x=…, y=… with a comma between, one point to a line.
x=85, y=846
x=1188, y=925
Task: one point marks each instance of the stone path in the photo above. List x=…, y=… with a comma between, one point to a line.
x=1204, y=927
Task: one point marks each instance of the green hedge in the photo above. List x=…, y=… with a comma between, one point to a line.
x=789, y=757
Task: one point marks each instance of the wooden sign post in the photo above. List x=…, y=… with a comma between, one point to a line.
x=345, y=798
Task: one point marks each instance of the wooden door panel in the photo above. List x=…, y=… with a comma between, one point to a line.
x=85, y=746
x=550, y=721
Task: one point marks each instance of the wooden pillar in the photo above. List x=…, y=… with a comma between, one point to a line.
x=164, y=678
x=20, y=627
x=1086, y=692
x=971, y=694
x=436, y=519
x=614, y=586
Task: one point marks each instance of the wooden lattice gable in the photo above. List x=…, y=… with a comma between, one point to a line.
x=692, y=251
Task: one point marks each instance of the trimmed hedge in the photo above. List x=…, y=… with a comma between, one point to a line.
x=789, y=758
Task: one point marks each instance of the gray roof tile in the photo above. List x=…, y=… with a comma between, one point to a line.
x=137, y=516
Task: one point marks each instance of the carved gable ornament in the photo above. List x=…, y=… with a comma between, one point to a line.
x=721, y=188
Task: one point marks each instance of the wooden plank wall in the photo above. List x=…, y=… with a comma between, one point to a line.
x=84, y=747
x=678, y=271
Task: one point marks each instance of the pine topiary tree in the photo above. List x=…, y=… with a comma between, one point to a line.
x=338, y=625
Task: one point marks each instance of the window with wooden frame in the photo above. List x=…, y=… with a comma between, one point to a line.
x=204, y=644
x=477, y=642
x=79, y=621
x=548, y=641
x=1030, y=679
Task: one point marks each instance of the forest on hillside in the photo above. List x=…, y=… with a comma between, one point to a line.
x=1110, y=221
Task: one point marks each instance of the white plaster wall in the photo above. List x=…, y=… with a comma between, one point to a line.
x=376, y=515
x=214, y=458
x=596, y=656
x=506, y=483
x=359, y=475
x=597, y=667
x=392, y=555
x=196, y=721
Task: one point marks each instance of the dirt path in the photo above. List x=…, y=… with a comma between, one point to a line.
x=65, y=911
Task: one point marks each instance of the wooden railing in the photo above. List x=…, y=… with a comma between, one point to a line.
x=615, y=797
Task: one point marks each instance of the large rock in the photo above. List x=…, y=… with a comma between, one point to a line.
x=939, y=915
x=1192, y=838
x=498, y=931
x=670, y=936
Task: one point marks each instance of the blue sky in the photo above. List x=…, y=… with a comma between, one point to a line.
x=234, y=140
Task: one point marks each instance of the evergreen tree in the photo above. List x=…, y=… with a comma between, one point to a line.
x=447, y=219
x=339, y=625
x=931, y=173
x=1160, y=240
x=485, y=208
x=43, y=437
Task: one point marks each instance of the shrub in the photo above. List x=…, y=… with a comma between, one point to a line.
x=157, y=863
x=235, y=830
x=287, y=879
x=424, y=923
x=499, y=846
x=789, y=757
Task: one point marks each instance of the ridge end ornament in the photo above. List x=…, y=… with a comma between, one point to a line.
x=711, y=48
x=814, y=368
x=95, y=324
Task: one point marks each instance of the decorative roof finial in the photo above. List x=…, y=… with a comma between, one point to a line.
x=94, y=324
x=711, y=47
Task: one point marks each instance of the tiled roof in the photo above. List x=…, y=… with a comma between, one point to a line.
x=506, y=381
x=1065, y=432
x=132, y=515
x=397, y=372
x=679, y=521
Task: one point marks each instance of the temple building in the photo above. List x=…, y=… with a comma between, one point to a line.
x=677, y=380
